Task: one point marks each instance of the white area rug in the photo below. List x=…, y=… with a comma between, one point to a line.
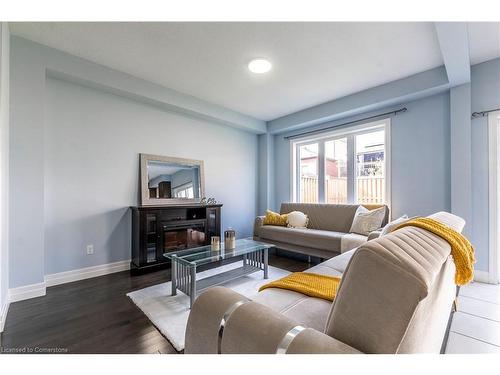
x=170, y=313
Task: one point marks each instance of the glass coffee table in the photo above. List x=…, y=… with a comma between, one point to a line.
x=186, y=262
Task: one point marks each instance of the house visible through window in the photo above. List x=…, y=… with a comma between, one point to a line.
x=336, y=171
x=340, y=167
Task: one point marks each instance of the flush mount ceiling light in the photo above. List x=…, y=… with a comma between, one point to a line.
x=259, y=66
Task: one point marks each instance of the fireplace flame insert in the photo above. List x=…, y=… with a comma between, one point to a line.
x=180, y=236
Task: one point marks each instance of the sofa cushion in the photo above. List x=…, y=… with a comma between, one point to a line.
x=274, y=218
x=308, y=238
x=453, y=221
x=297, y=219
x=366, y=221
x=389, y=227
x=309, y=311
x=351, y=241
x=335, y=266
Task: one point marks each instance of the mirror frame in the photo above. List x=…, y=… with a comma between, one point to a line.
x=146, y=201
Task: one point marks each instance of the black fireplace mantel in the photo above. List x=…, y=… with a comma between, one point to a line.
x=157, y=230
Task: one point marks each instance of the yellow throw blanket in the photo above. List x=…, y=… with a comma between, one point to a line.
x=461, y=249
x=310, y=284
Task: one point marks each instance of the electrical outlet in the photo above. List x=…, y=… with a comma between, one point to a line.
x=90, y=249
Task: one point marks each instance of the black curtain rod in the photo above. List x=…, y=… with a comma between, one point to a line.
x=346, y=123
x=483, y=113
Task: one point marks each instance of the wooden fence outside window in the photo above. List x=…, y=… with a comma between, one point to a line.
x=370, y=190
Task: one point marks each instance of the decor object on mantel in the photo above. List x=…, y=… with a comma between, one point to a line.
x=215, y=243
x=206, y=200
x=229, y=239
x=157, y=230
x=167, y=180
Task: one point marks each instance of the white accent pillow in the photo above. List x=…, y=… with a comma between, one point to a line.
x=366, y=221
x=297, y=219
x=393, y=224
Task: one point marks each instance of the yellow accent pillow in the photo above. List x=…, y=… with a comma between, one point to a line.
x=274, y=218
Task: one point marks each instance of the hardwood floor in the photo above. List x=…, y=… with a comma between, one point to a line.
x=95, y=316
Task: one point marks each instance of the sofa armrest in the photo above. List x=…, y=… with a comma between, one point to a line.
x=207, y=312
x=310, y=341
x=258, y=223
x=223, y=321
x=375, y=234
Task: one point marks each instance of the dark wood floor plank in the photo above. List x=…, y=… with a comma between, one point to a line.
x=96, y=316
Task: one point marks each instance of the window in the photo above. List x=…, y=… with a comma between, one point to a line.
x=308, y=155
x=336, y=171
x=370, y=167
x=344, y=166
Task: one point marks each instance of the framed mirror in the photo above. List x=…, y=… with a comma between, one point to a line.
x=170, y=181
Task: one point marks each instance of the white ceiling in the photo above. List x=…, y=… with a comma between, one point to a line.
x=484, y=41
x=312, y=62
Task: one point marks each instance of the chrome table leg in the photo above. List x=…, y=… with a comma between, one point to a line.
x=192, y=293
x=266, y=263
x=174, y=275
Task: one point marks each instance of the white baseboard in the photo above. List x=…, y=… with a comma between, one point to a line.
x=3, y=313
x=481, y=276
x=38, y=290
x=86, y=273
x=26, y=292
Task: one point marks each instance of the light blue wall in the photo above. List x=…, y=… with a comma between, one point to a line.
x=75, y=163
x=266, y=173
x=4, y=166
x=26, y=261
x=420, y=158
x=485, y=86
x=461, y=154
x=485, y=95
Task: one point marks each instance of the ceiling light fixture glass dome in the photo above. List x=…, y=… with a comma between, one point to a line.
x=259, y=66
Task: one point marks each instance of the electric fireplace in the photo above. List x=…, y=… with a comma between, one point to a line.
x=157, y=230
